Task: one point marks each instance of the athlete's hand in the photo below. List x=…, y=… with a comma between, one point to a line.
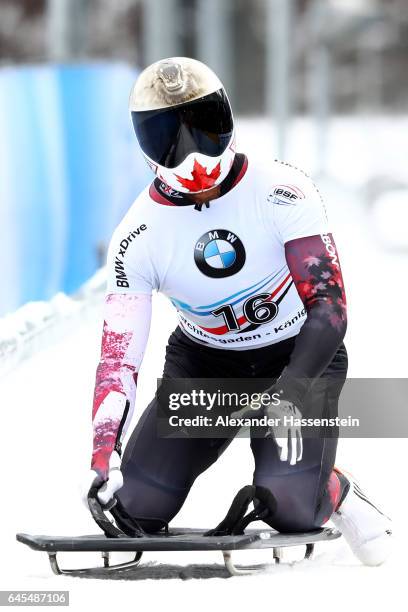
x=288, y=437
x=107, y=486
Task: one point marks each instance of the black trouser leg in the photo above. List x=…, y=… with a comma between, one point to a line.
x=305, y=494
x=159, y=472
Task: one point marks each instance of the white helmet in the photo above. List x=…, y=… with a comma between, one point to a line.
x=184, y=124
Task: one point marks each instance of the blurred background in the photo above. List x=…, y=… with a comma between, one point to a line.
x=319, y=83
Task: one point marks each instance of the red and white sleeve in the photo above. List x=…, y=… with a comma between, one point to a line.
x=125, y=332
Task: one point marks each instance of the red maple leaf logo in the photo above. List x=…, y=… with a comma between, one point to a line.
x=201, y=180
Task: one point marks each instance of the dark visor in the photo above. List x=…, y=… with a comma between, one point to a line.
x=168, y=135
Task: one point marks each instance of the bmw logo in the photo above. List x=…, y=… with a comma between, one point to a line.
x=219, y=253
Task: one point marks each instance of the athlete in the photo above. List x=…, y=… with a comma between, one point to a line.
x=247, y=258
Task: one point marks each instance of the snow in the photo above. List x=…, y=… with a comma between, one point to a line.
x=387, y=208
x=45, y=448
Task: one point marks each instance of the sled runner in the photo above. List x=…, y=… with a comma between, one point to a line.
x=176, y=540
x=230, y=535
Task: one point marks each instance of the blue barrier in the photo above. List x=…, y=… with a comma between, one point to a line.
x=69, y=169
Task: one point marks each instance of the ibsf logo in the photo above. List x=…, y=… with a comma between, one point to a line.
x=219, y=253
x=285, y=195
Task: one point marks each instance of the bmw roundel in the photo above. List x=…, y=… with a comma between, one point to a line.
x=219, y=253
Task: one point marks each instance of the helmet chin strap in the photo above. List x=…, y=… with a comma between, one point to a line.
x=199, y=205
x=204, y=198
